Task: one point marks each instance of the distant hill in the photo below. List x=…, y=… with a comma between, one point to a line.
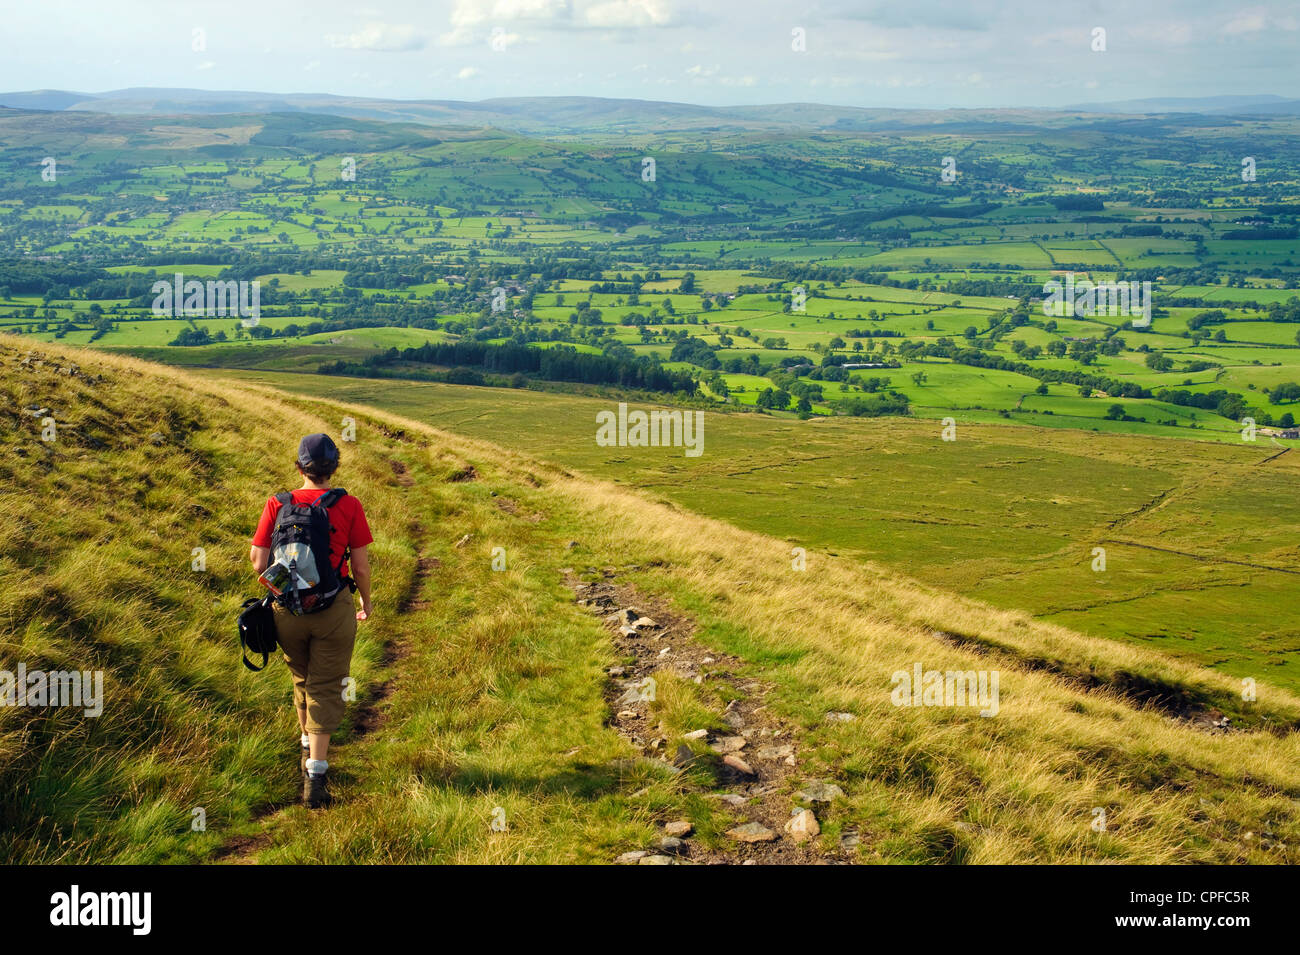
x=570, y=115
x=44, y=99
x=1237, y=105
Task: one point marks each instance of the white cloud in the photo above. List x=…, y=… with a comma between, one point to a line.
x=468, y=72
x=472, y=13
x=630, y=13
x=978, y=15
x=379, y=38
x=469, y=19
x=501, y=39
x=529, y=9
x=205, y=65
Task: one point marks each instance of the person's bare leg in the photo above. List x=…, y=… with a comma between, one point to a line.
x=302, y=718
x=315, y=794
x=320, y=745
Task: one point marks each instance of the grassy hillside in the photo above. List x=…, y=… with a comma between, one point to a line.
x=1200, y=540
x=484, y=693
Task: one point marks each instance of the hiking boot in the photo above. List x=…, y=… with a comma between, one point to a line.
x=315, y=791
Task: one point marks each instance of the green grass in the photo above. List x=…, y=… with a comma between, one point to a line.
x=1005, y=514
x=483, y=689
x=185, y=727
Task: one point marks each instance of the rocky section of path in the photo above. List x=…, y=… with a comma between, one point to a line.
x=751, y=756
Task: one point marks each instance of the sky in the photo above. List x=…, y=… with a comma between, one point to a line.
x=895, y=53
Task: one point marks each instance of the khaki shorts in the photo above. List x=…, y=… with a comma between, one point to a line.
x=318, y=649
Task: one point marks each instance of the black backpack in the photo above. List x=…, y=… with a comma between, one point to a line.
x=257, y=630
x=301, y=542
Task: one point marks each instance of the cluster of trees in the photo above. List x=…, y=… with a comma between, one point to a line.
x=196, y=335
x=561, y=363
x=1215, y=316
x=1287, y=391
x=1260, y=232
x=1226, y=403
x=41, y=278
x=778, y=399
x=1078, y=203
x=875, y=406
x=696, y=351
x=1284, y=312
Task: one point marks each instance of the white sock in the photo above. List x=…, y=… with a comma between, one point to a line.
x=317, y=766
x=305, y=741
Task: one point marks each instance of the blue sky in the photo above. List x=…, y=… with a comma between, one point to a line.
x=906, y=53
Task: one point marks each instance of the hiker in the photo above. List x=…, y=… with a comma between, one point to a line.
x=314, y=627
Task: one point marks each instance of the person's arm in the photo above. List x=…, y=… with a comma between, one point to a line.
x=260, y=553
x=361, y=574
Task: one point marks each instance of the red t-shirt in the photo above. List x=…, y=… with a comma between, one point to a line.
x=347, y=523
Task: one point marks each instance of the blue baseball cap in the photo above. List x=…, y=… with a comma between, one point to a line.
x=317, y=449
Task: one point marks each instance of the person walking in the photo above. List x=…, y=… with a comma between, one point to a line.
x=315, y=618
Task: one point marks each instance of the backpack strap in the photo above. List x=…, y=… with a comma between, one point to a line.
x=330, y=497
x=346, y=581
x=328, y=500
